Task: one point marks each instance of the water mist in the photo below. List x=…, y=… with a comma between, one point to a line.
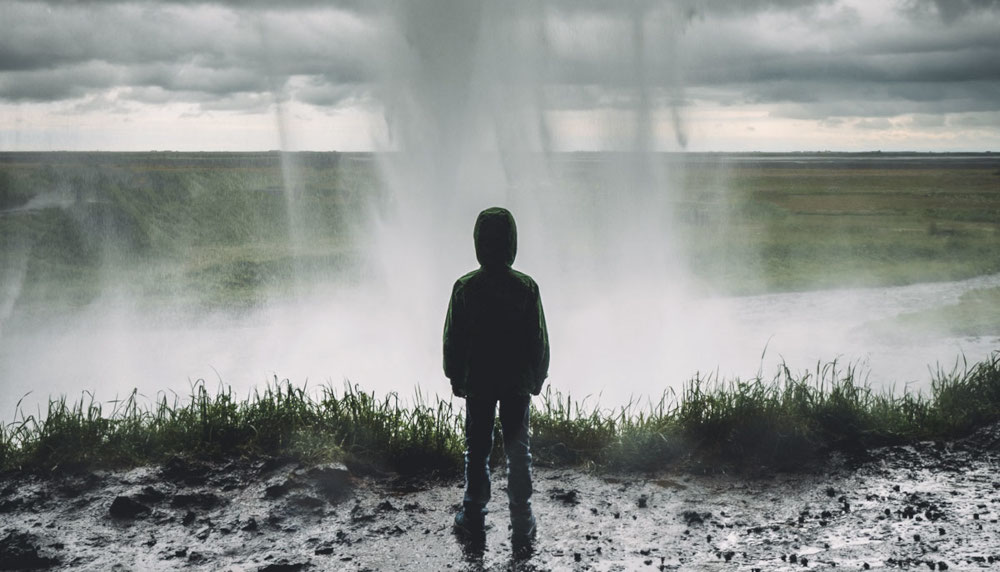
x=480, y=109
x=472, y=92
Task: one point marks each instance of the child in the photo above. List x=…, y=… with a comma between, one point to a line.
x=496, y=350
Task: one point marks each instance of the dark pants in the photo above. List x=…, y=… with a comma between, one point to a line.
x=480, y=415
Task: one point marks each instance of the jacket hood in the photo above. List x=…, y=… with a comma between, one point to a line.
x=495, y=236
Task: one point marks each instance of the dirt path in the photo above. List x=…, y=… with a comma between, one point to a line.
x=932, y=506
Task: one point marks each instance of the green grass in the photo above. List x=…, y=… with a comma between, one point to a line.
x=282, y=420
x=787, y=422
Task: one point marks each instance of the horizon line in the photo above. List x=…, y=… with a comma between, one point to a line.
x=554, y=152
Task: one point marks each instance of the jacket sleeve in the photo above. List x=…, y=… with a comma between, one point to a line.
x=541, y=345
x=456, y=342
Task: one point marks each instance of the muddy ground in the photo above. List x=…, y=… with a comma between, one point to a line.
x=930, y=506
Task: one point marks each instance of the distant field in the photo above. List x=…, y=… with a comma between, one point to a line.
x=161, y=225
x=219, y=225
x=857, y=221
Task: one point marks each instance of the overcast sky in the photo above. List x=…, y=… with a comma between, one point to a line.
x=714, y=75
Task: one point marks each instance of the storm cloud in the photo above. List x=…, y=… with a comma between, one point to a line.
x=803, y=59
x=50, y=52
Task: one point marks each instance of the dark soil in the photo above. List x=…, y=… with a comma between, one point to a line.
x=929, y=506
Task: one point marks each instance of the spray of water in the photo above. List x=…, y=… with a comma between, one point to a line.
x=470, y=90
x=12, y=283
x=466, y=88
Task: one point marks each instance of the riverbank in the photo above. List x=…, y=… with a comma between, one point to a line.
x=801, y=470
x=929, y=504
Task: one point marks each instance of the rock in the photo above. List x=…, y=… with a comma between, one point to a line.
x=271, y=464
x=276, y=491
x=845, y=505
x=569, y=497
x=10, y=505
x=282, y=485
x=305, y=501
x=197, y=500
x=692, y=517
x=643, y=501
x=23, y=551
x=179, y=469
x=124, y=507
x=151, y=495
x=394, y=530
x=75, y=485
x=332, y=481
x=283, y=566
x=359, y=514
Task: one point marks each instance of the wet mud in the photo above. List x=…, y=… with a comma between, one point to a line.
x=930, y=506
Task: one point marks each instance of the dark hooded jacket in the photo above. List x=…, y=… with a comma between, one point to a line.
x=495, y=340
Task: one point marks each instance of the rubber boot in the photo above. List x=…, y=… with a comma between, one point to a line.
x=470, y=522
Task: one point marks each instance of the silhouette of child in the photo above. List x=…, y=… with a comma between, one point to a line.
x=496, y=350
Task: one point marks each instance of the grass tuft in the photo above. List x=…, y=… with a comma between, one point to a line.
x=785, y=422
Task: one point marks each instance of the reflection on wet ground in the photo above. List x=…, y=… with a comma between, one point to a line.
x=931, y=505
